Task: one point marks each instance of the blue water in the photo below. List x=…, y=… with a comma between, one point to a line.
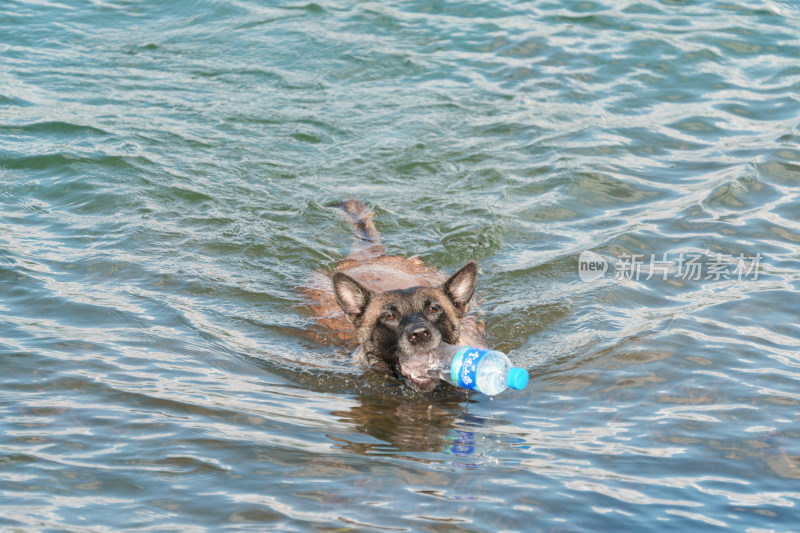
x=168, y=176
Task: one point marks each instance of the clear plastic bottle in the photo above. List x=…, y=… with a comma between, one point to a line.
x=485, y=371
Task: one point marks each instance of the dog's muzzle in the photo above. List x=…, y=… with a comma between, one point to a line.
x=418, y=340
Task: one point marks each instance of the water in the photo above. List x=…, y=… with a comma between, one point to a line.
x=167, y=177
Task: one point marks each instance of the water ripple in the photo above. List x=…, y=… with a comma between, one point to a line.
x=163, y=191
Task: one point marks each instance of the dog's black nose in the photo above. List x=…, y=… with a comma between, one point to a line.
x=419, y=334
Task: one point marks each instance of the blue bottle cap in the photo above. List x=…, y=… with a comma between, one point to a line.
x=517, y=378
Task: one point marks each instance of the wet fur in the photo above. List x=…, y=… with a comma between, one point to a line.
x=352, y=301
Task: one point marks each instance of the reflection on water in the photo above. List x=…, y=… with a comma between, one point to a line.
x=440, y=425
x=399, y=426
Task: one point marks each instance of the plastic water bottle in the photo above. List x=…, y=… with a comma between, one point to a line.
x=485, y=371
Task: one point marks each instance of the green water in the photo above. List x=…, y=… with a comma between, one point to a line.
x=168, y=172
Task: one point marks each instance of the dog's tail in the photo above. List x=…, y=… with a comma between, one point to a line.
x=368, y=240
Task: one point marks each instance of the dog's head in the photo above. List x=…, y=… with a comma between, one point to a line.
x=398, y=329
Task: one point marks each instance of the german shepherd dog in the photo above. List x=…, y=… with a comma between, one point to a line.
x=398, y=309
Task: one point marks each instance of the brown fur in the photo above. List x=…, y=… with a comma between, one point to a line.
x=404, y=284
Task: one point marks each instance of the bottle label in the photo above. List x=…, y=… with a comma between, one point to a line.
x=464, y=368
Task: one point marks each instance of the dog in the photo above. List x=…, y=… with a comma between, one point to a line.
x=397, y=309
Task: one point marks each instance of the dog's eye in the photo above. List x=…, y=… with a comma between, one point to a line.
x=389, y=316
x=433, y=309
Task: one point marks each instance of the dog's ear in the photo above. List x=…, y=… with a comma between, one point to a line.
x=461, y=285
x=350, y=295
